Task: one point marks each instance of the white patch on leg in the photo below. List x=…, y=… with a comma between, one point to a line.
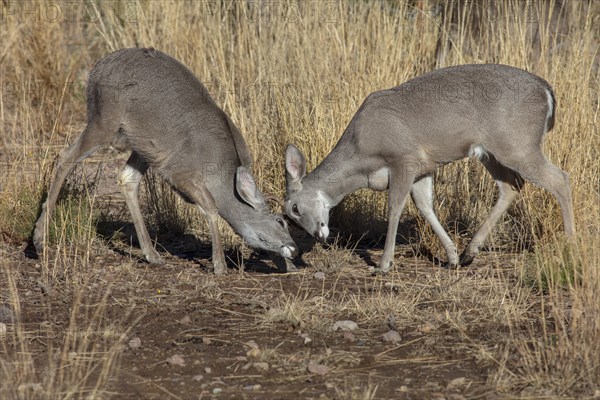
x=127, y=175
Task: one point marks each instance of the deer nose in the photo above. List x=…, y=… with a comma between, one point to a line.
x=319, y=236
x=322, y=233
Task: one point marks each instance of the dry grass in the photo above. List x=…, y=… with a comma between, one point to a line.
x=290, y=71
x=81, y=353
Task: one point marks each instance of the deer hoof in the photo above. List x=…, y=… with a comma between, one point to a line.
x=38, y=243
x=379, y=271
x=466, y=259
x=450, y=265
x=220, y=268
x=155, y=259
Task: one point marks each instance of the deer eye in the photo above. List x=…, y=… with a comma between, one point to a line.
x=281, y=222
x=295, y=210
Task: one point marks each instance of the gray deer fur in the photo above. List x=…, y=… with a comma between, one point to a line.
x=398, y=137
x=146, y=102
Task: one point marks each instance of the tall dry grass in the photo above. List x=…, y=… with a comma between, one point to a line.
x=289, y=71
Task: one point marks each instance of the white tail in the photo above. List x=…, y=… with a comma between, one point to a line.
x=399, y=136
x=143, y=101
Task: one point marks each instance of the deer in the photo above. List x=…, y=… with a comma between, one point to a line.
x=143, y=101
x=495, y=113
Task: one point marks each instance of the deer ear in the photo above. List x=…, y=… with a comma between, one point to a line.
x=247, y=189
x=295, y=164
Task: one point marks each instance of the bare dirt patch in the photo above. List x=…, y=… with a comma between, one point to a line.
x=185, y=333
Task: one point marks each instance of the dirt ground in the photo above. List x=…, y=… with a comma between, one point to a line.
x=195, y=335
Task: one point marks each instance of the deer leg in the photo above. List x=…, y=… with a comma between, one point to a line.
x=548, y=176
x=509, y=184
x=87, y=143
x=400, y=184
x=422, y=194
x=129, y=182
x=199, y=194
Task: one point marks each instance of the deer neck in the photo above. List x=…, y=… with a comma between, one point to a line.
x=221, y=185
x=339, y=174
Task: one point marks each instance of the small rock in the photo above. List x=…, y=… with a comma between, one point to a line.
x=176, y=359
x=253, y=352
x=208, y=370
x=256, y=386
x=135, y=343
x=317, y=369
x=345, y=325
x=349, y=336
x=456, y=383
x=307, y=340
x=197, y=378
x=427, y=327
x=207, y=341
x=391, y=336
x=217, y=390
x=329, y=386
x=263, y=366
x=44, y=288
x=319, y=275
x=24, y=387
x=185, y=320
x=391, y=286
x=402, y=389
